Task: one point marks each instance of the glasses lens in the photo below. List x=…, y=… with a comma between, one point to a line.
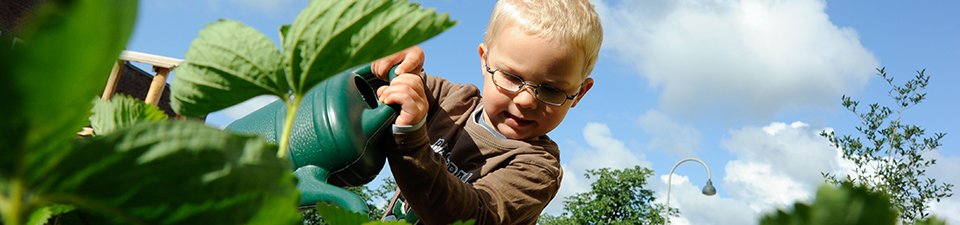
x=551, y=95
x=507, y=82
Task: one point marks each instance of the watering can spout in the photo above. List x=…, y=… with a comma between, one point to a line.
x=338, y=132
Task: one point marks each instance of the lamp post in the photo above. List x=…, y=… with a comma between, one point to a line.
x=708, y=189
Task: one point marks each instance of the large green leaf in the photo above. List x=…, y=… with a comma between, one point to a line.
x=48, y=80
x=174, y=173
x=122, y=111
x=228, y=63
x=331, y=36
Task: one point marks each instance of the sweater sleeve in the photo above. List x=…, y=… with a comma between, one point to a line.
x=513, y=194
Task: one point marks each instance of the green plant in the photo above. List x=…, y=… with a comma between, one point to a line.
x=122, y=111
x=891, y=158
x=141, y=172
x=615, y=197
x=847, y=204
x=230, y=62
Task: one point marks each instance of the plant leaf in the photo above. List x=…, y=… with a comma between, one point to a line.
x=48, y=79
x=283, y=31
x=226, y=64
x=333, y=214
x=328, y=37
x=43, y=214
x=122, y=111
x=179, y=172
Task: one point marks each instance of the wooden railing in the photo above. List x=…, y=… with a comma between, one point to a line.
x=161, y=66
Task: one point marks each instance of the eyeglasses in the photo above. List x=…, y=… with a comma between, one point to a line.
x=512, y=83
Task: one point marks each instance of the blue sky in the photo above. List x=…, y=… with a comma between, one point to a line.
x=744, y=85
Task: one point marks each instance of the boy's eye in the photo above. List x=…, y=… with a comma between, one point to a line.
x=551, y=89
x=548, y=91
x=512, y=78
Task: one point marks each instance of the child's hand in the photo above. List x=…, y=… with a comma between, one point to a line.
x=407, y=91
x=410, y=59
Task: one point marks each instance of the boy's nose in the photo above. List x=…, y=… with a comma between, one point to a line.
x=526, y=99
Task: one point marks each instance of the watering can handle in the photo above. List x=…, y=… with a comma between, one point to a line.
x=375, y=82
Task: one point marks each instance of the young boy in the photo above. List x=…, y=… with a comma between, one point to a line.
x=462, y=157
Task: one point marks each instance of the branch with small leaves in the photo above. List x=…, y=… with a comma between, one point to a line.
x=891, y=158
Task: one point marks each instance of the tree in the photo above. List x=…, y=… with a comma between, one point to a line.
x=616, y=197
x=891, y=158
x=378, y=197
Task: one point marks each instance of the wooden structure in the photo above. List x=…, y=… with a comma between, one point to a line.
x=128, y=79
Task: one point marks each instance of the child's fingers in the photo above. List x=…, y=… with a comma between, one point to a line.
x=406, y=82
x=412, y=105
x=408, y=79
x=399, y=93
x=407, y=91
x=382, y=66
x=412, y=61
x=380, y=93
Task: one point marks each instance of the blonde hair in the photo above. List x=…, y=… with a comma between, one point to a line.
x=573, y=22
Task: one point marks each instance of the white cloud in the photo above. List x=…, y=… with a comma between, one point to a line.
x=667, y=134
x=733, y=58
x=947, y=209
x=773, y=167
x=603, y=151
x=764, y=187
x=796, y=150
x=946, y=171
x=695, y=208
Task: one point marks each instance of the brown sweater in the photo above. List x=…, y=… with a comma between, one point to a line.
x=455, y=169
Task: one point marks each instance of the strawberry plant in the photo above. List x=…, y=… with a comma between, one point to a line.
x=230, y=62
x=132, y=172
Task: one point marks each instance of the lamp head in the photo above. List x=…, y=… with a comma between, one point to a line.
x=708, y=189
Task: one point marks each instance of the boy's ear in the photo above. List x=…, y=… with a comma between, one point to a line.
x=482, y=51
x=587, y=84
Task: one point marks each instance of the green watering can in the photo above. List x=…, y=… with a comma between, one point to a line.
x=336, y=138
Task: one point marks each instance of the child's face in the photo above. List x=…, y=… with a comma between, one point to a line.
x=552, y=67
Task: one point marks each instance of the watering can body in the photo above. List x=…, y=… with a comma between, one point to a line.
x=336, y=138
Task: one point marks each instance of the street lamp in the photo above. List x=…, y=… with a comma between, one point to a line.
x=708, y=189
